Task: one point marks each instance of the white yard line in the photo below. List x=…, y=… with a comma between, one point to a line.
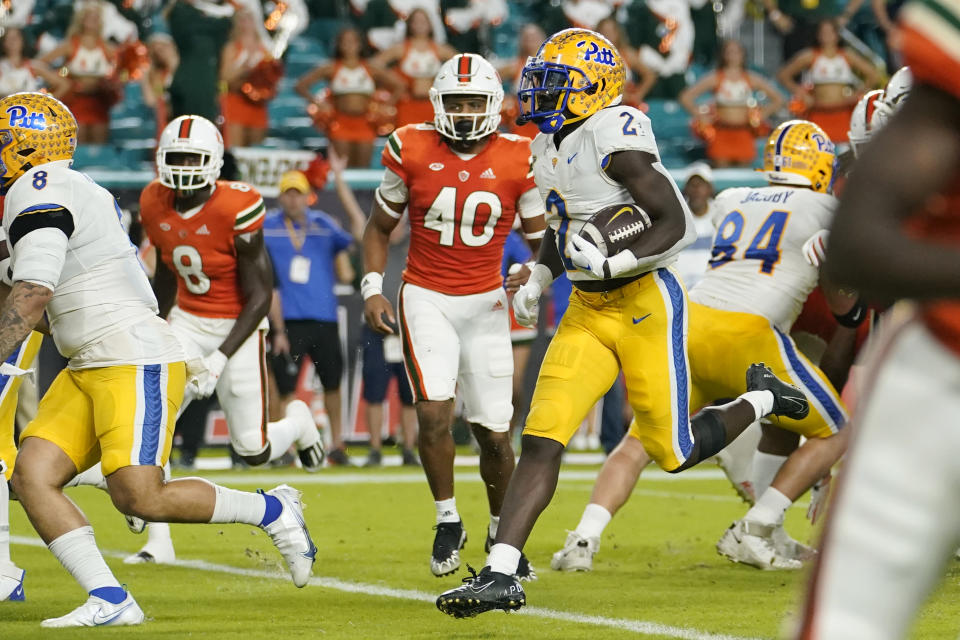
x=640, y=627
x=414, y=477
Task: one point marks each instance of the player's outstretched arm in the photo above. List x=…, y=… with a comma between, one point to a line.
x=164, y=286
x=20, y=313
x=915, y=156
x=255, y=275
x=653, y=192
x=376, y=242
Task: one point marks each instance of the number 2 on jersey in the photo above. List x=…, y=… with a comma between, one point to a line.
x=442, y=217
x=765, y=245
x=189, y=265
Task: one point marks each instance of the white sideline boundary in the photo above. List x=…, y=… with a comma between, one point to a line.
x=640, y=627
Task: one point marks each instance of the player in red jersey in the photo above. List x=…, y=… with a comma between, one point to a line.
x=897, y=235
x=462, y=184
x=213, y=284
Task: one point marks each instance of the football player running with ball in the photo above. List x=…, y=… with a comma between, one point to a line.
x=117, y=400
x=213, y=263
x=741, y=312
x=462, y=184
x=628, y=310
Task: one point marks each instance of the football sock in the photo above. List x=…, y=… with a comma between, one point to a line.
x=447, y=510
x=281, y=435
x=762, y=401
x=770, y=508
x=92, y=477
x=494, y=525
x=4, y=520
x=239, y=506
x=113, y=595
x=595, y=519
x=765, y=467
x=504, y=559
x=78, y=553
x=272, y=509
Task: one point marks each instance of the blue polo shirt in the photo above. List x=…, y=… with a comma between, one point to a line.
x=313, y=299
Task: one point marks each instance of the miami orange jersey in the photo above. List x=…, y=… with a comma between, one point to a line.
x=931, y=46
x=461, y=211
x=199, y=247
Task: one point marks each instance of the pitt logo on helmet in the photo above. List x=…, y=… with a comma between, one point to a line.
x=799, y=153
x=35, y=128
x=19, y=117
x=575, y=74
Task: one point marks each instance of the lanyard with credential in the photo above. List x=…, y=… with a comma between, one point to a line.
x=297, y=240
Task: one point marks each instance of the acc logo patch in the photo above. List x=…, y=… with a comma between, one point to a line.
x=20, y=118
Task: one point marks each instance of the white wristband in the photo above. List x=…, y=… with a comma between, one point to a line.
x=622, y=263
x=371, y=285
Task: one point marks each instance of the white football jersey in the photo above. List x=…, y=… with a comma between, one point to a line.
x=103, y=311
x=757, y=264
x=574, y=185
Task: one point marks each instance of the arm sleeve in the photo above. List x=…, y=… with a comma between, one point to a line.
x=38, y=257
x=530, y=204
x=392, y=187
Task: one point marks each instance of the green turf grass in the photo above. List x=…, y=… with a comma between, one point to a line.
x=656, y=564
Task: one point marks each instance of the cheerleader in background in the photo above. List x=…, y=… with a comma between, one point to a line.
x=734, y=120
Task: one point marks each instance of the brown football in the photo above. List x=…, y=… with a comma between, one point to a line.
x=615, y=228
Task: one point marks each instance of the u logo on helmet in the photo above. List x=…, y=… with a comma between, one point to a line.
x=20, y=117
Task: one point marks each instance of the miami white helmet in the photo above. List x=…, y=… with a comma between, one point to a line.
x=898, y=88
x=861, y=128
x=190, y=135
x=467, y=74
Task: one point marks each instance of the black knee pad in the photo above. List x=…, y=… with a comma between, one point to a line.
x=709, y=438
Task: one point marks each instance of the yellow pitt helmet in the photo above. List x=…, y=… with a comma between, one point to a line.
x=35, y=128
x=575, y=73
x=799, y=153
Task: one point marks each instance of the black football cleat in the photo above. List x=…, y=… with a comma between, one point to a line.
x=447, y=543
x=525, y=570
x=788, y=401
x=482, y=592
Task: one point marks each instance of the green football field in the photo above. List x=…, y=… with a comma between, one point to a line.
x=657, y=575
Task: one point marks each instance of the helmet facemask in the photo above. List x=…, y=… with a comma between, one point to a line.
x=545, y=90
x=183, y=176
x=466, y=126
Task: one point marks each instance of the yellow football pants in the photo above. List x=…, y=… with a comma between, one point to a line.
x=23, y=357
x=640, y=328
x=121, y=415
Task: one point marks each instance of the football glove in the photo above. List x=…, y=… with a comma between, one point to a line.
x=587, y=258
x=526, y=301
x=213, y=364
x=815, y=249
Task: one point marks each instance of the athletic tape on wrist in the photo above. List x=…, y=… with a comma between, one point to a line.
x=371, y=285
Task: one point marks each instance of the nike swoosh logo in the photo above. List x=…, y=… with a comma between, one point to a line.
x=483, y=588
x=100, y=620
x=639, y=320
x=570, y=159
x=621, y=212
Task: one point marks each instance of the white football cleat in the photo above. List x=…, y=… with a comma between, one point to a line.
x=97, y=612
x=290, y=535
x=577, y=553
x=790, y=548
x=309, y=442
x=752, y=543
x=11, y=582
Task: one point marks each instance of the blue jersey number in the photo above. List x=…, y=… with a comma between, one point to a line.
x=39, y=180
x=629, y=128
x=765, y=245
x=556, y=204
